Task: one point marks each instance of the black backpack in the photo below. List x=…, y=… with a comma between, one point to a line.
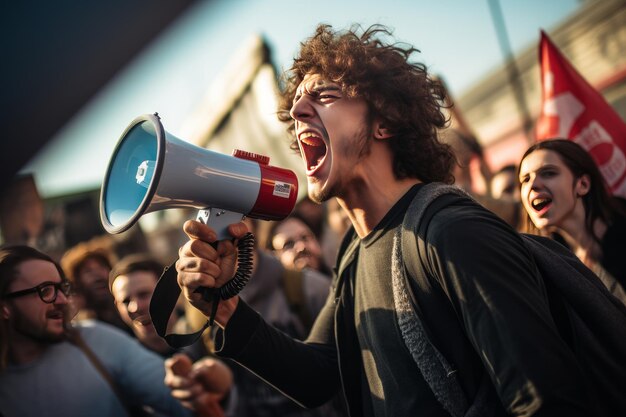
x=590, y=319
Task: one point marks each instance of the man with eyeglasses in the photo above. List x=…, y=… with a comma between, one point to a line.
x=48, y=368
x=296, y=246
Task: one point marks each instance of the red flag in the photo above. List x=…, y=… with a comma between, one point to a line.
x=573, y=109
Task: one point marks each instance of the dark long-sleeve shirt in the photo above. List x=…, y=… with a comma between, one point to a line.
x=487, y=311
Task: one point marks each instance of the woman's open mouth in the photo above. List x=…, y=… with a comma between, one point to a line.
x=541, y=205
x=313, y=151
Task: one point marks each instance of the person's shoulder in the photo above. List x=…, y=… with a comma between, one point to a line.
x=309, y=273
x=92, y=329
x=465, y=221
x=460, y=210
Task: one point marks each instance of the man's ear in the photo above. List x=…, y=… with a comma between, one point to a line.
x=381, y=131
x=583, y=185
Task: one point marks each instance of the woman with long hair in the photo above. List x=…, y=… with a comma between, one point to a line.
x=565, y=196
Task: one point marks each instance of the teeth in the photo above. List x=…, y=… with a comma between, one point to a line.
x=311, y=139
x=540, y=203
x=310, y=142
x=314, y=149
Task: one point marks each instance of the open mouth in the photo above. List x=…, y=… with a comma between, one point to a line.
x=55, y=314
x=539, y=204
x=313, y=150
x=99, y=287
x=143, y=320
x=302, y=255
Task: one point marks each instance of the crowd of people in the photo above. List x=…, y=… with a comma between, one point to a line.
x=326, y=326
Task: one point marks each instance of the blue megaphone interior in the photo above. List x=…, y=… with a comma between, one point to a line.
x=124, y=197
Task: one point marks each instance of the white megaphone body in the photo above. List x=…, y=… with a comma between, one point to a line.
x=153, y=170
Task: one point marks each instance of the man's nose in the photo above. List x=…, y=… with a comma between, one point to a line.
x=132, y=306
x=301, y=109
x=299, y=246
x=61, y=299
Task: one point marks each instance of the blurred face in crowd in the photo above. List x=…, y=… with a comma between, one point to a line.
x=132, y=293
x=550, y=193
x=39, y=313
x=504, y=185
x=296, y=246
x=332, y=132
x=338, y=219
x=93, y=282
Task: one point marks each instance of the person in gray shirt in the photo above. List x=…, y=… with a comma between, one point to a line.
x=48, y=368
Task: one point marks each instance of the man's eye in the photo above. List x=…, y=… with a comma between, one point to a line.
x=327, y=97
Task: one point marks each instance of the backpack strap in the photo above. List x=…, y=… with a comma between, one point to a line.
x=74, y=337
x=410, y=273
x=293, y=284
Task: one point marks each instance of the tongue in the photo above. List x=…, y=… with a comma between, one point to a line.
x=314, y=151
x=541, y=205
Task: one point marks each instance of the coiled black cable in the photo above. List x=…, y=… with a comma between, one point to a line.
x=245, y=247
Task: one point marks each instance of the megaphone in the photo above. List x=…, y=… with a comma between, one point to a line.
x=151, y=170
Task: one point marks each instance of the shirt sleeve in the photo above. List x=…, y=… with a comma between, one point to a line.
x=316, y=289
x=307, y=372
x=497, y=293
x=138, y=372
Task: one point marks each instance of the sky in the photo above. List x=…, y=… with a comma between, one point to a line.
x=457, y=40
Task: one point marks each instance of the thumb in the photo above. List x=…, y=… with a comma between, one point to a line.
x=214, y=376
x=180, y=364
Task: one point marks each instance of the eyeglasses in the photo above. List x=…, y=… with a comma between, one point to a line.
x=47, y=291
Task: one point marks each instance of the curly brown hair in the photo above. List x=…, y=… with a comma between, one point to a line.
x=398, y=91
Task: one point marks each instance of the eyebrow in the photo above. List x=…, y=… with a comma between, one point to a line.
x=541, y=168
x=317, y=88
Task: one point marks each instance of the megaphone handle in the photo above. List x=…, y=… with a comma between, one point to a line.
x=218, y=220
x=245, y=249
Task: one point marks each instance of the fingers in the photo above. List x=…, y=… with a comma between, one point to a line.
x=177, y=370
x=238, y=230
x=214, y=375
x=204, y=262
x=180, y=364
x=198, y=230
x=187, y=389
x=200, y=264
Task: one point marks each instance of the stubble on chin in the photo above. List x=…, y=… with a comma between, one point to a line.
x=319, y=194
